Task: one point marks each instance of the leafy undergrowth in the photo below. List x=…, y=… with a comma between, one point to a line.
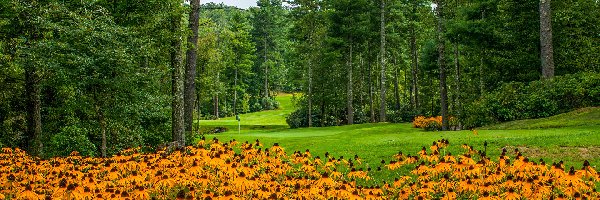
x=248, y=170
x=581, y=117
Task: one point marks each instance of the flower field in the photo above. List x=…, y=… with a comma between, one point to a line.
x=232, y=170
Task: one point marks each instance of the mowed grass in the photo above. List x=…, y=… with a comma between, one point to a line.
x=270, y=119
x=572, y=143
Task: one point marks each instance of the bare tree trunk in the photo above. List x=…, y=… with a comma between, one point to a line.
x=177, y=85
x=216, y=105
x=442, y=65
x=235, y=80
x=190, y=67
x=362, y=79
x=323, y=114
x=415, y=64
x=458, y=96
x=34, y=107
x=371, y=90
x=547, y=51
x=396, y=86
x=406, y=94
x=382, y=104
x=350, y=108
x=266, y=68
x=309, y=92
x=102, y=123
x=481, y=77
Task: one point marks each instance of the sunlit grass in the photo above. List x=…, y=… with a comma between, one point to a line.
x=375, y=142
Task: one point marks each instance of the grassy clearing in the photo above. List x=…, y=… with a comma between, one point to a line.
x=265, y=120
x=572, y=143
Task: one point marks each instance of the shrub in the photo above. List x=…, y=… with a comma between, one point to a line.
x=537, y=99
x=404, y=114
x=434, y=123
x=420, y=122
x=269, y=103
x=69, y=139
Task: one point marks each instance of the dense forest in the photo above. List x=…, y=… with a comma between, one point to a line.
x=101, y=76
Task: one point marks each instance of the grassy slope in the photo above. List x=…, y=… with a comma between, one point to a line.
x=582, y=118
x=271, y=119
x=373, y=142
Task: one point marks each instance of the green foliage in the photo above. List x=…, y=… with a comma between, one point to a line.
x=589, y=116
x=269, y=103
x=298, y=119
x=515, y=101
x=69, y=139
x=227, y=62
x=404, y=114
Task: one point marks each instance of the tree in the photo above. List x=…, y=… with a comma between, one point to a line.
x=177, y=104
x=309, y=31
x=414, y=57
x=442, y=63
x=382, y=103
x=268, y=33
x=190, y=67
x=547, y=52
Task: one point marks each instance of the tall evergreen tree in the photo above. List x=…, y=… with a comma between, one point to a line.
x=441, y=62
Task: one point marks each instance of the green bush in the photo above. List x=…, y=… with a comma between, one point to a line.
x=69, y=139
x=269, y=103
x=299, y=118
x=537, y=99
x=404, y=114
x=433, y=125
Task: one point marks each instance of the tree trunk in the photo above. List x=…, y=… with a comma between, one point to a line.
x=362, y=79
x=458, y=96
x=309, y=92
x=323, y=116
x=102, y=123
x=235, y=80
x=216, y=105
x=547, y=52
x=382, y=104
x=371, y=90
x=190, y=67
x=442, y=65
x=396, y=86
x=407, y=91
x=177, y=84
x=481, y=77
x=415, y=73
x=34, y=107
x=266, y=68
x=350, y=109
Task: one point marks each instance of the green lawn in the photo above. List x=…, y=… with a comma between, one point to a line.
x=573, y=143
x=271, y=119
